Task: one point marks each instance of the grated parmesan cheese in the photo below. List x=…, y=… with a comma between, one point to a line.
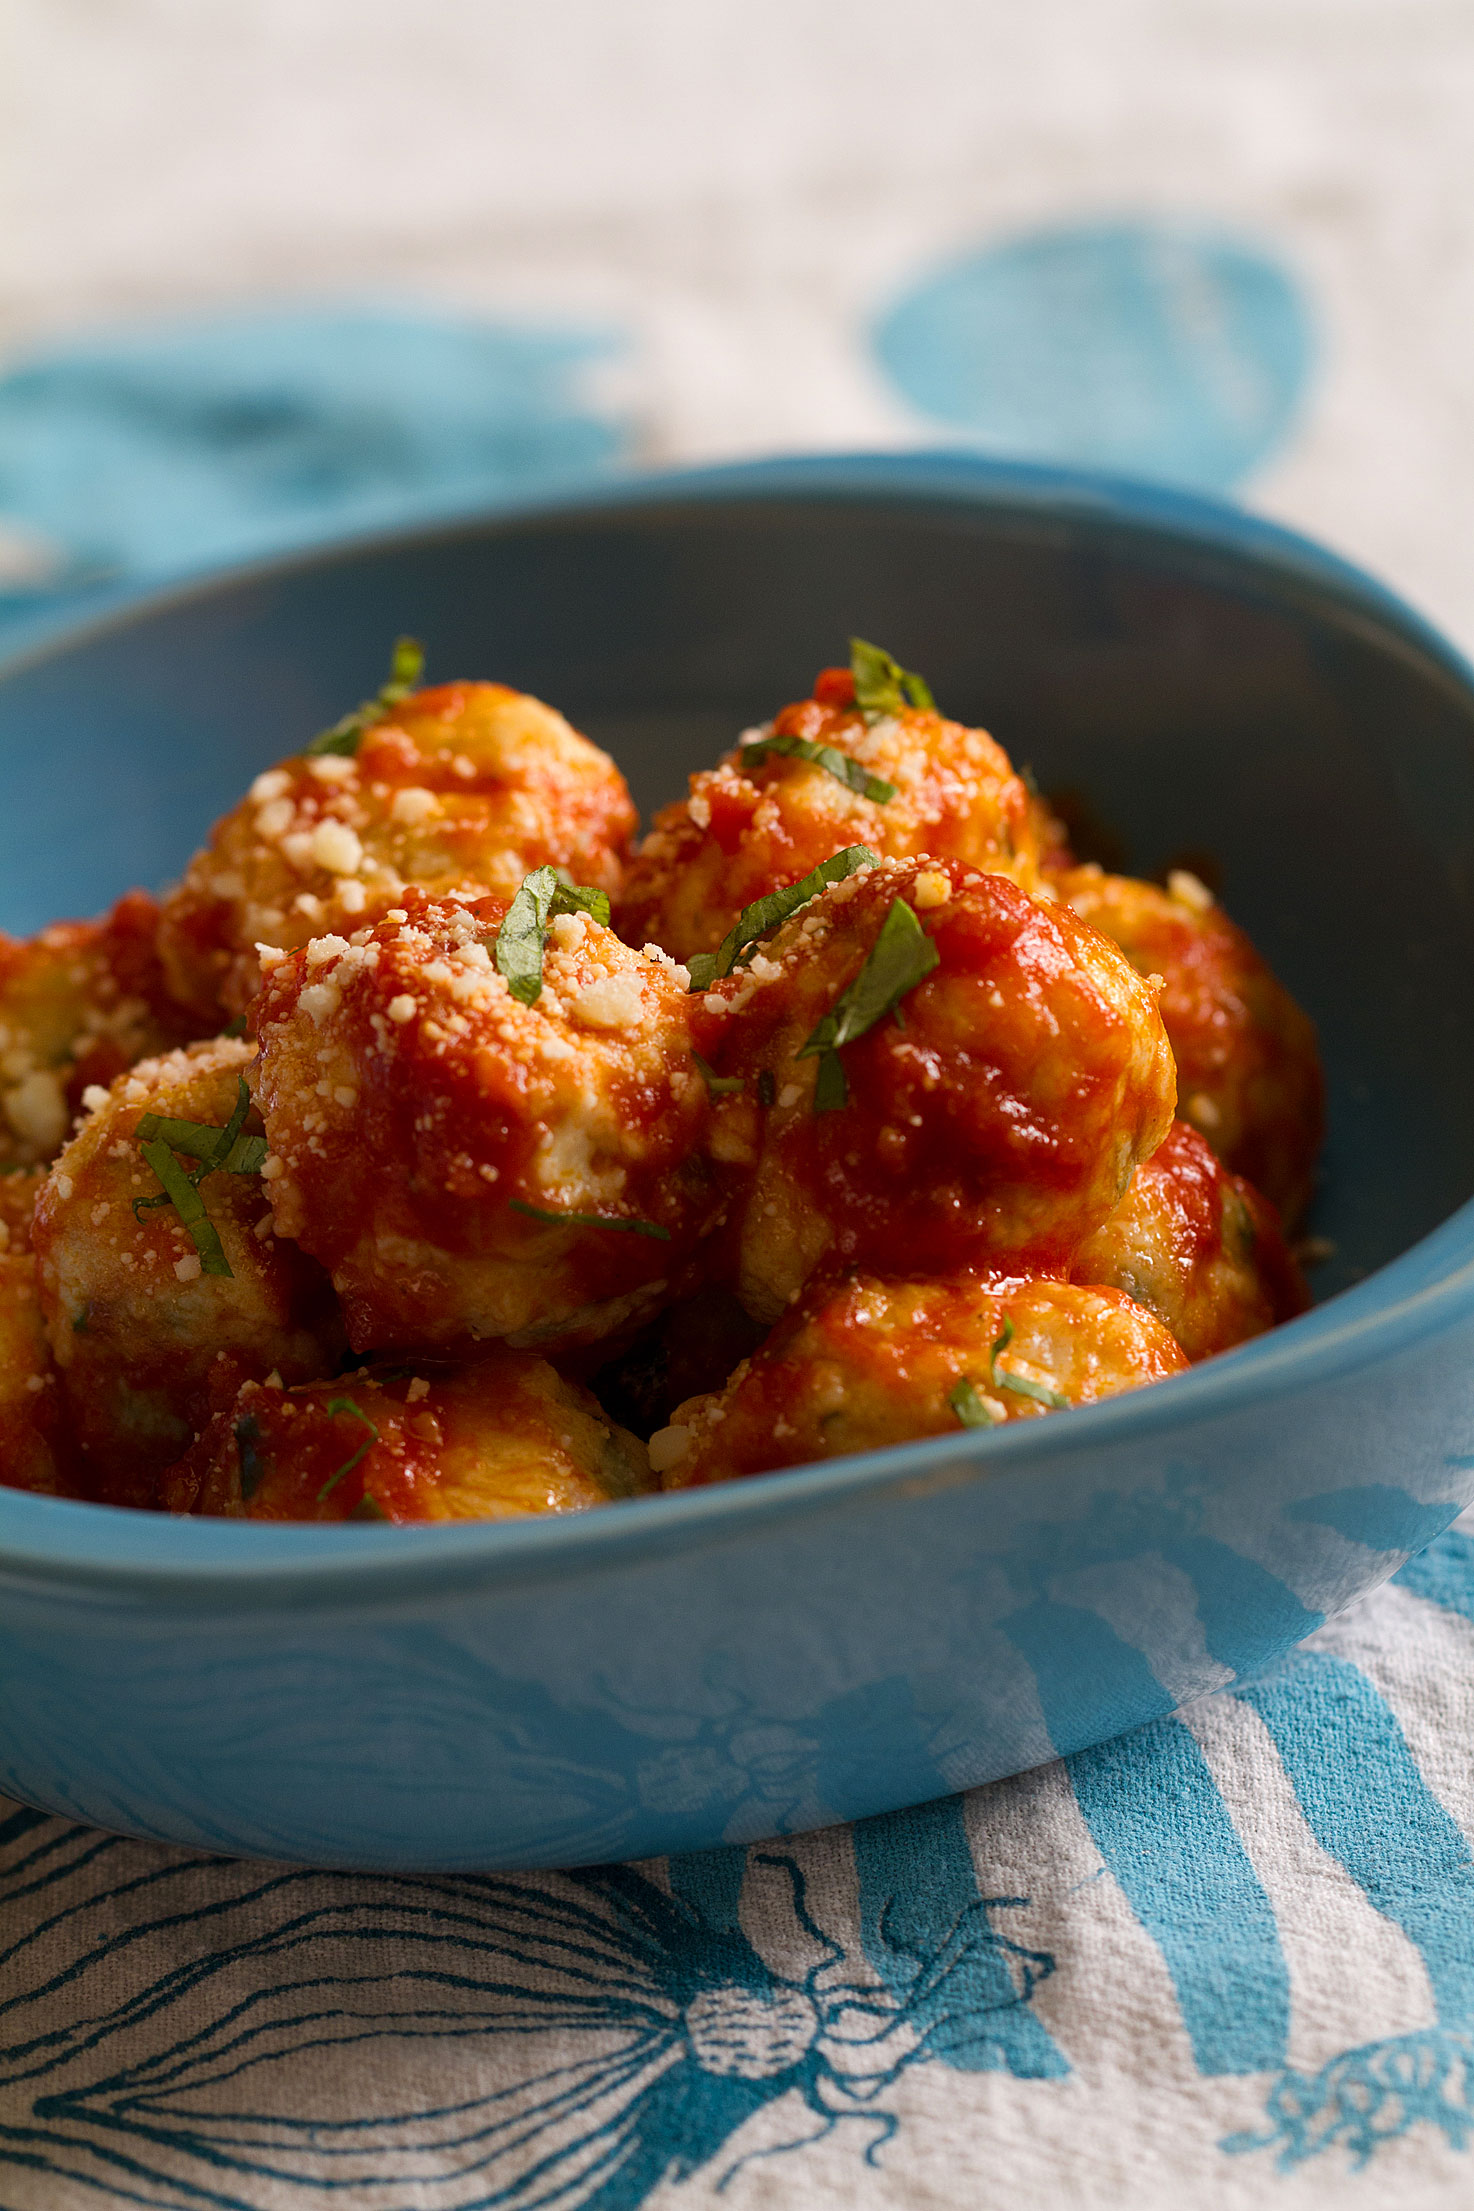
x=336, y=847
x=413, y=805
x=319, y=1000
x=610, y=1002
x=668, y=1446
x=1189, y=890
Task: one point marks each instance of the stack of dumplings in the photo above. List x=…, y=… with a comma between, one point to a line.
x=438, y=1150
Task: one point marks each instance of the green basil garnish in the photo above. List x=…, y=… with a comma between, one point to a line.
x=765, y=915
x=180, y=1192
x=1020, y=1384
x=882, y=685
x=217, y=1151
x=253, y=1466
x=901, y=957
x=522, y=938
x=556, y=1218
x=406, y=666
x=338, y=1405
x=852, y=773
x=831, y=1084
x=718, y=1086
x=967, y=1403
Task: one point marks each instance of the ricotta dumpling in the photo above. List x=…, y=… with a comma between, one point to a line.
x=478, y=1154
x=498, y=1436
x=925, y=1061
x=825, y=773
x=162, y=1277
x=79, y=1002
x=37, y=1451
x=464, y=785
x=872, y=1360
x=1248, y=1064
x=1199, y=1247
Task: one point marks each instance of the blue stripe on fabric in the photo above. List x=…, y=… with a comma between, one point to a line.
x=1444, y=1573
x=1090, y=1683
x=1162, y=1827
x=1370, y=1808
x=918, y=1894
x=710, y=1881
x=1383, y=1518
x=1247, y=1613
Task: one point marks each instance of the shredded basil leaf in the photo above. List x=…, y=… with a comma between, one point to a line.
x=236, y=1027
x=767, y=1088
x=1020, y=1384
x=218, y=1150
x=882, y=685
x=852, y=773
x=718, y=1086
x=765, y=915
x=253, y=1466
x=367, y=1508
x=522, y=938
x=227, y=1138
x=968, y=1404
x=338, y=1405
x=180, y=1190
x=580, y=898
x=831, y=1084
x=901, y=957
x=559, y=1219
x=406, y=666
x=1041, y=1393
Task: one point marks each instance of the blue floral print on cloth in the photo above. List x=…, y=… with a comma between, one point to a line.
x=1228, y=1959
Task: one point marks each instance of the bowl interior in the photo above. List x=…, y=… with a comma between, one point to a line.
x=1206, y=702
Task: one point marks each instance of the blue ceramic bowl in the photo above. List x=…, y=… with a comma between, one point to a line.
x=811, y=1646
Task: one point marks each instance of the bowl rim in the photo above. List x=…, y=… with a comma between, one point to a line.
x=151, y=1557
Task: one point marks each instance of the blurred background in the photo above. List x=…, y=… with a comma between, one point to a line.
x=270, y=268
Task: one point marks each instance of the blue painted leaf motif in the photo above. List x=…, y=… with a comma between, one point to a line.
x=1157, y=347
x=176, y=2031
